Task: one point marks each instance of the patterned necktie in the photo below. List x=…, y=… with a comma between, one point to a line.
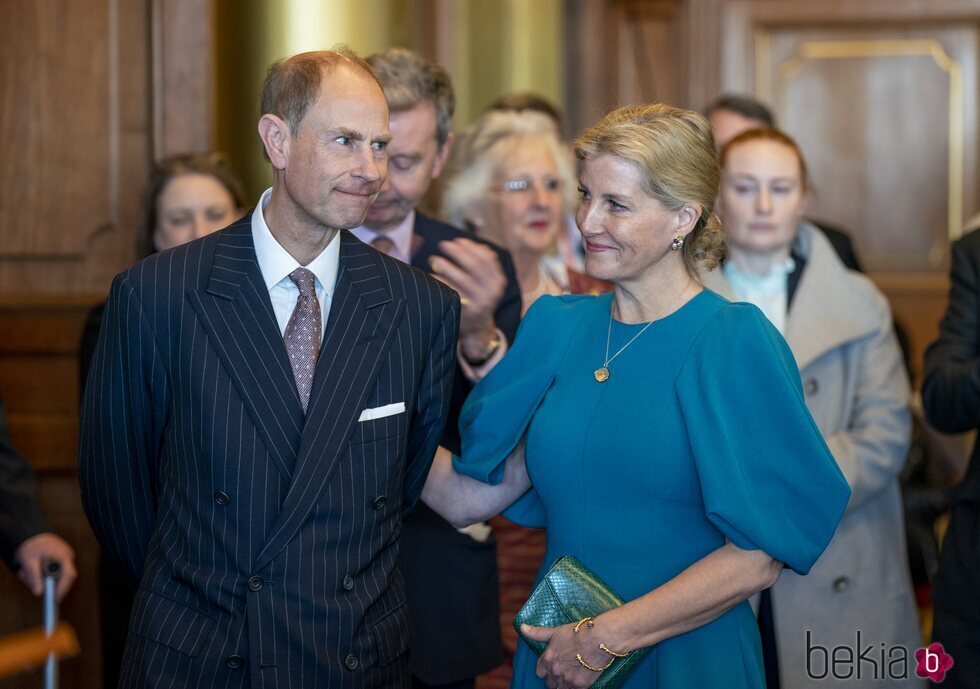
x=302, y=336
x=384, y=245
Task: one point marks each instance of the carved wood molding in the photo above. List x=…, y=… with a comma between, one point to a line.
x=182, y=34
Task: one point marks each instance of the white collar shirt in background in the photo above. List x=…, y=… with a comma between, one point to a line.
x=768, y=292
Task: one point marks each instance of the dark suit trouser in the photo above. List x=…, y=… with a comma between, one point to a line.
x=462, y=684
x=957, y=597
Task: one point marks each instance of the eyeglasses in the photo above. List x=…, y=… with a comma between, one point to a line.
x=519, y=186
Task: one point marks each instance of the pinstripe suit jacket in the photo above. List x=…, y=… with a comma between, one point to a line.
x=264, y=542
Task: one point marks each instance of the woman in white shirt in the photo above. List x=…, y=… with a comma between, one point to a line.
x=838, y=325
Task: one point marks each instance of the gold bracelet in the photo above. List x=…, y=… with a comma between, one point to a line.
x=588, y=621
x=606, y=649
x=581, y=660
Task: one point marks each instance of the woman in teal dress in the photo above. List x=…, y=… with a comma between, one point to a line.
x=659, y=433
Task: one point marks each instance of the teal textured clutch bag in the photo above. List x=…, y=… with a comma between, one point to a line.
x=568, y=593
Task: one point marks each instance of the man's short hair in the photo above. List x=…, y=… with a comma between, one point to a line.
x=409, y=79
x=526, y=100
x=745, y=106
x=292, y=84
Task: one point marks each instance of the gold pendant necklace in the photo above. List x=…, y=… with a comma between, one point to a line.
x=602, y=373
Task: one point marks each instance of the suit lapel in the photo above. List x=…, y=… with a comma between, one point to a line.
x=423, y=246
x=362, y=318
x=237, y=315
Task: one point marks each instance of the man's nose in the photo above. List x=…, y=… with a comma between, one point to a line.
x=370, y=168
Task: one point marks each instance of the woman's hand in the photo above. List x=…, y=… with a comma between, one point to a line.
x=559, y=665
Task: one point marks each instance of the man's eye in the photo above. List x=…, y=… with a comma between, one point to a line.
x=380, y=146
x=343, y=140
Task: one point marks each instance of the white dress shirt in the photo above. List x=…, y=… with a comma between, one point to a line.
x=276, y=264
x=768, y=292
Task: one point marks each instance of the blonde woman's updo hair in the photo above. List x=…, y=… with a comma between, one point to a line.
x=675, y=151
x=482, y=151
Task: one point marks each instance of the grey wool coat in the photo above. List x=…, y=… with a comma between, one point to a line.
x=840, y=331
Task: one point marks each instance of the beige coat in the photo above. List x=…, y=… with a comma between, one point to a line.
x=839, y=329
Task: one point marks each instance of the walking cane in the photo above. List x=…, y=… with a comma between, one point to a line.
x=51, y=569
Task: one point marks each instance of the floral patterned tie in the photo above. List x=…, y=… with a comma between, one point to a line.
x=302, y=336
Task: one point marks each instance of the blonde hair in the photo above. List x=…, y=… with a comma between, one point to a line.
x=482, y=150
x=675, y=150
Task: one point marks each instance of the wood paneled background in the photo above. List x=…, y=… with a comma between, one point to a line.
x=882, y=94
x=91, y=92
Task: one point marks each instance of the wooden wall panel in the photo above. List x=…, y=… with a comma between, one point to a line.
x=52, y=127
x=91, y=92
x=623, y=52
x=73, y=98
x=183, y=74
x=881, y=115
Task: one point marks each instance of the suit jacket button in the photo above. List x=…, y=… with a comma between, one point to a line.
x=221, y=498
x=380, y=502
x=351, y=662
x=255, y=584
x=811, y=386
x=348, y=583
x=840, y=584
x=234, y=662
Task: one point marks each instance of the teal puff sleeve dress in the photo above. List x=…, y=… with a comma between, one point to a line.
x=700, y=436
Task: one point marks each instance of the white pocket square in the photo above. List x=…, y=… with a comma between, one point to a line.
x=381, y=412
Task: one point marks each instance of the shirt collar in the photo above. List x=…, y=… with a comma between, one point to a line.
x=276, y=263
x=772, y=282
x=401, y=236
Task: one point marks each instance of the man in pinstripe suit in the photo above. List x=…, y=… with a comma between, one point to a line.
x=253, y=478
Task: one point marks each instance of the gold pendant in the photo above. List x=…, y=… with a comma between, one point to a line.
x=602, y=374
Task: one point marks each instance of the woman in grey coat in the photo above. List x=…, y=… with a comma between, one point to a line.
x=856, y=606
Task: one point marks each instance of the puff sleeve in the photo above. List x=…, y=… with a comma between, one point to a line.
x=500, y=408
x=768, y=480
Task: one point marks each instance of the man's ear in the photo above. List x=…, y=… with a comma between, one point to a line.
x=275, y=136
x=442, y=156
